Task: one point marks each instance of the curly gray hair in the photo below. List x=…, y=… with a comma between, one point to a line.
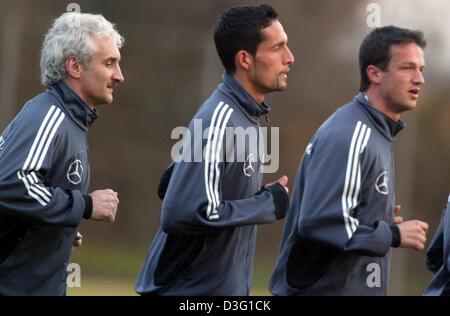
x=73, y=34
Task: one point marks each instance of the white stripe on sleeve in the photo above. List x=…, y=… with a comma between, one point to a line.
x=352, y=183
x=37, y=154
x=212, y=157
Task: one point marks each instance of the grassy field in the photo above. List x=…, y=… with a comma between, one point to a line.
x=102, y=286
x=95, y=286
x=113, y=272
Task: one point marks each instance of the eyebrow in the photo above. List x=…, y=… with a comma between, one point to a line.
x=282, y=42
x=410, y=63
x=113, y=59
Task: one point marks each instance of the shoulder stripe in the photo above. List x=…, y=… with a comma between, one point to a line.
x=207, y=157
x=37, y=154
x=352, y=183
x=212, y=157
x=38, y=137
x=212, y=161
x=218, y=152
x=49, y=140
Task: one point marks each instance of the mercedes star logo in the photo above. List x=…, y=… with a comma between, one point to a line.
x=381, y=185
x=75, y=172
x=248, y=168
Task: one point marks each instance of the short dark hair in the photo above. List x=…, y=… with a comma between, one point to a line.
x=239, y=28
x=376, y=47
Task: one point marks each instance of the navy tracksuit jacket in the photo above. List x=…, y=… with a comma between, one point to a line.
x=338, y=230
x=44, y=178
x=438, y=258
x=206, y=243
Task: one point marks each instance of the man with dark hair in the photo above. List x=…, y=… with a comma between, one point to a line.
x=375, y=49
x=211, y=207
x=341, y=222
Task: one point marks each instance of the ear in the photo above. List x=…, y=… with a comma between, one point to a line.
x=243, y=60
x=374, y=74
x=73, y=67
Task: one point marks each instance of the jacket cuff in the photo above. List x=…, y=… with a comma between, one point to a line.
x=88, y=209
x=396, y=238
x=280, y=199
x=164, y=181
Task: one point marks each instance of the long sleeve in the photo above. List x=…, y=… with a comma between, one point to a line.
x=435, y=253
x=26, y=161
x=335, y=168
x=195, y=203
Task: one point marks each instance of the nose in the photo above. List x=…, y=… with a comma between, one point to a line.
x=419, y=78
x=289, y=56
x=117, y=75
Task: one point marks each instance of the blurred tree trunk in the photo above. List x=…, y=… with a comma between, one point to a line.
x=401, y=281
x=12, y=27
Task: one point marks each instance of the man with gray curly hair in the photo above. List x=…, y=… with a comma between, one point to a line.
x=44, y=156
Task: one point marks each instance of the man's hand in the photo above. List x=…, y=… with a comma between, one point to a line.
x=283, y=181
x=78, y=241
x=397, y=219
x=413, y=234
x=104, y=205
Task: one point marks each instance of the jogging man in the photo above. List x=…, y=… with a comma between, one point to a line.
x=44, y=157
x=340, y=225
x=209, y=214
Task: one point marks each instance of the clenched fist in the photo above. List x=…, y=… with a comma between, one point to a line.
x=104, y=205
x=413, y=234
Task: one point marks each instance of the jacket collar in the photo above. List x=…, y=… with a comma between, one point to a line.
x=232, y=88
x=387, y=126
x=73, y=105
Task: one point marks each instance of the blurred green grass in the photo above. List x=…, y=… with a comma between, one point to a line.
x=106, y=271
x=103, y=286
x=112, y=271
